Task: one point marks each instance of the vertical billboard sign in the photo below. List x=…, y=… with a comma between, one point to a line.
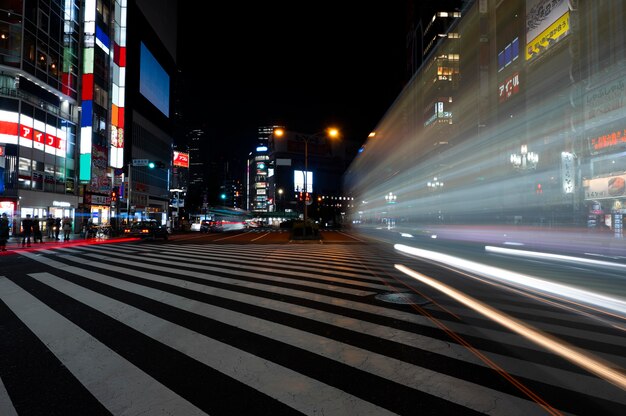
x=547, y=22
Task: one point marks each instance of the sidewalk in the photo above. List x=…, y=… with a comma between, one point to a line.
x=14, y=245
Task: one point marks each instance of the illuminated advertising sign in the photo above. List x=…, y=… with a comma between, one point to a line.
x=298, y=181
x=508, y=88
x=609, y=140
x=181, y=159
x=603, y=188
x=547, y=21
x=17, y=128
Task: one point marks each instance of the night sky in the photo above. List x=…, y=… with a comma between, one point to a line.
x=305, y=65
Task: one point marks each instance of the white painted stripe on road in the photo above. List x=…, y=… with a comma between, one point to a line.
x=300, y=278
x=518, y=367
x=457, y=327
x=287, y=386
x=351, y=272
x=118, y=384
x=455, y=351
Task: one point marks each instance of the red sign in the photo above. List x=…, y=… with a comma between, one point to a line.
x=609, y=140
x=38, y=136
x=26, y=132
x=509, y=87
x=181, y=159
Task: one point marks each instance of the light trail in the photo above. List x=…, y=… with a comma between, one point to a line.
x=585, y=296
x=580, y=358
x=552, y=256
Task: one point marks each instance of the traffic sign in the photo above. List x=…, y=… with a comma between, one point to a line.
x=141, y=162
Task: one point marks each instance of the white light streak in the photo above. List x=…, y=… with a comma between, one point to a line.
x=499, y=274
x=580, y=358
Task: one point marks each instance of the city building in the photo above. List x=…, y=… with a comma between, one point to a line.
x=40, y=107
x=534, y=134
x=258, y=170
x=71, y=127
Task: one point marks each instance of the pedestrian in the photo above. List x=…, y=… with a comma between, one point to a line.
x=37, y=235
x=27, y=230
x=4, y=231
x=67, y=228
x=50, y=227
x=57, y=228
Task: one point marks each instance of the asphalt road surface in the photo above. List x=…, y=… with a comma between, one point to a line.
x=257, y=323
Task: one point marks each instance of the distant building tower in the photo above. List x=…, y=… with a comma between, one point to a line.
x=258, y=171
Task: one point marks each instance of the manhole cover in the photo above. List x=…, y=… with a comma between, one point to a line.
x=406, y=298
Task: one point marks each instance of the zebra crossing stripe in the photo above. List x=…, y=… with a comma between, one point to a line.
x=294, y=277
x=120, y=386
x=439, y=385
x=260, y=374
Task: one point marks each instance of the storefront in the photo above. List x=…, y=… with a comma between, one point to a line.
x=99, y=208
x=41, y=205
x=606, y=200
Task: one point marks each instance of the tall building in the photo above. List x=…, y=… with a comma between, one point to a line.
x=196, y=139
x=39, y=108
x=85, y=90
x=151, y=68
x=538, y=118
x=258, y=171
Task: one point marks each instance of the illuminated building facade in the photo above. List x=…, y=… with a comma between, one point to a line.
x=39, y=109
x=258, y=171
x=101, y=146
x=64, y=136
x=538, y=123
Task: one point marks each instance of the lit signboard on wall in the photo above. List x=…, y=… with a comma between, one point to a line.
x=508, y=88
x=181, y=159
x=545, y=29
x=298, y=181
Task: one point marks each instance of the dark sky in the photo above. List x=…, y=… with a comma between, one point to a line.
x=305, y=65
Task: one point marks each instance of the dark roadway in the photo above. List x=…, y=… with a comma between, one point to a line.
x=257, y=323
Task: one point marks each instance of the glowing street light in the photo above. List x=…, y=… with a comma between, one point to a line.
x=525, y=159
x=330, y=133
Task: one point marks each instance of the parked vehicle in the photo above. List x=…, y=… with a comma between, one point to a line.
x=147, y=230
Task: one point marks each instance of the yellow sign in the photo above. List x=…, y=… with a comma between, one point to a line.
x=548, y=37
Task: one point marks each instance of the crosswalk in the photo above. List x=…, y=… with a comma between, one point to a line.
x=167, y=329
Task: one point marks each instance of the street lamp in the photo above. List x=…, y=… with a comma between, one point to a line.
x=391, y=199
x=280, y=199
x=435, y=185
x=525, y=159
x=331, y=133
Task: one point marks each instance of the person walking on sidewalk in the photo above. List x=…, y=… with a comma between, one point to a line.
x=57, y=228
x=37, y=230
x=67, y=228
x=27, y=230
x=50, y=227
x=4, y=231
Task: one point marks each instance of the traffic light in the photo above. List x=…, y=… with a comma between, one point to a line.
x=156, y=164
x=113, y=195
